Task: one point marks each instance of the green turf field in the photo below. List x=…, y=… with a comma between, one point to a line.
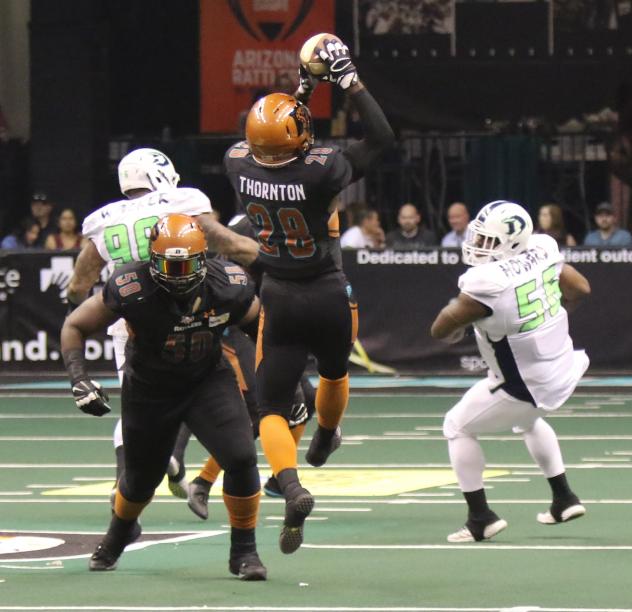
x=376, y=540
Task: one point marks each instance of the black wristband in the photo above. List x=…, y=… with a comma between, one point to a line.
x=75, y=363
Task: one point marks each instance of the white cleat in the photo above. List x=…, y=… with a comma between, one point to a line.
x=568, y=514
x=464, y=534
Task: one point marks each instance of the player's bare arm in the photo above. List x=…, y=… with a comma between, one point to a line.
x=574, y=286
x=86, y=273
x=460, y=312
x=90, y=317
x=220, y=239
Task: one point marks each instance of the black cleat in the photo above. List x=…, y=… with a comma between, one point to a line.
x=197, y=500
x=247, y=566
x=271, y=488
x=322, y=445
x=562, y=511
x=297, y=510
x=106, y=555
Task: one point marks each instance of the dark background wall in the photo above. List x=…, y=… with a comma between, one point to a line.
x=114, y=69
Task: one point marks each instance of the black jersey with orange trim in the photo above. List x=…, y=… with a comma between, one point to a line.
x=289, y=207
x=174, y=343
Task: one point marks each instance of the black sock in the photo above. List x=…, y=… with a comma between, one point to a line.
x=198, y=480
x=119, y=452
x=326, y=434
x=476, y=502
x=559, y=486
x=242, y=541
x=118, y=533
x=289, y=483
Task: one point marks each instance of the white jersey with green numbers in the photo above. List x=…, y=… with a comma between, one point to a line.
x=120, y=230
x=525, y=340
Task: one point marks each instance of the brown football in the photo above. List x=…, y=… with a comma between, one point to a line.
x=309, y=59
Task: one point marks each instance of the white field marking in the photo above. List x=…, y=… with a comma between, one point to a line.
x=372, y=502
x=136, y=546
x=429, y=428
x=426, y=495
x=298, y=609
x=198, y=532
x=455, y=487
x=495, y=480
x=336, y=466
x=613, y=459
x=31, y=567
x=14, y=493
x=40, y=416
x=56, y=439
x=48, y=486
x=621, y=453
x=504, y=438
x=405, y=433
x=478, y=547
x=342, y=510
x=309, y=518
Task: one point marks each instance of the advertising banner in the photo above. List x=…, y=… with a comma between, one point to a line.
x=399, y=294
x=32, y=309
x=249, y=48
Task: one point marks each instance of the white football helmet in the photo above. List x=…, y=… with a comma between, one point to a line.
x=146, y=169
x=500, y=230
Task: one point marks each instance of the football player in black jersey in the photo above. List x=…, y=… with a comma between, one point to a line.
x=286, y=186
x=176, y=306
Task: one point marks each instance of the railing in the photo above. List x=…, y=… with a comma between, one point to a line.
x=434, y=170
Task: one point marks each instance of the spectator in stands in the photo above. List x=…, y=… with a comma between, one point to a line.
x=368, y=233
x=458, y=218
x=42, y=211
x=607, y=233
x=551, y=222
x=410, y=234
x=68, y=237
x=24, y=237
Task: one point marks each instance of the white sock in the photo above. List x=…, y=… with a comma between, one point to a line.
x=543, y=446
x=468, y=461
x=118, y=434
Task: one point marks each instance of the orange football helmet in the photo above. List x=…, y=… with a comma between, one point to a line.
x=177, y=254
x=278, y=130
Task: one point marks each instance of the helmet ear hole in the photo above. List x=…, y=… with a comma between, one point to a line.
x=147, y=169
x=278, y=130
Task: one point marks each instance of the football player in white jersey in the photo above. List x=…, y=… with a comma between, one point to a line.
x=516, y=296
x=118, y=233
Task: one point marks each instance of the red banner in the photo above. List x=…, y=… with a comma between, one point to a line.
x=249, y=48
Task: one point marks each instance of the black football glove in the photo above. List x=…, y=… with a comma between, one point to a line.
x=306, y=84
x=298, y=415
x=336, y=56
x=90, y=397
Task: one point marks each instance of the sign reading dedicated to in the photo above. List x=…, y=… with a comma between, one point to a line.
x=249, y=48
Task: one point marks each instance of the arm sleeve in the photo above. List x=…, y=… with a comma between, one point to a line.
x=481, y=286
x=378, y=133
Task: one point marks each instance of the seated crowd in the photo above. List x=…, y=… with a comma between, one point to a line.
x=365, y=229
x=44, y=229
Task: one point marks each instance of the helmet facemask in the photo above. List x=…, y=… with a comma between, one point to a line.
x=176, y=271
x=499, y=231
